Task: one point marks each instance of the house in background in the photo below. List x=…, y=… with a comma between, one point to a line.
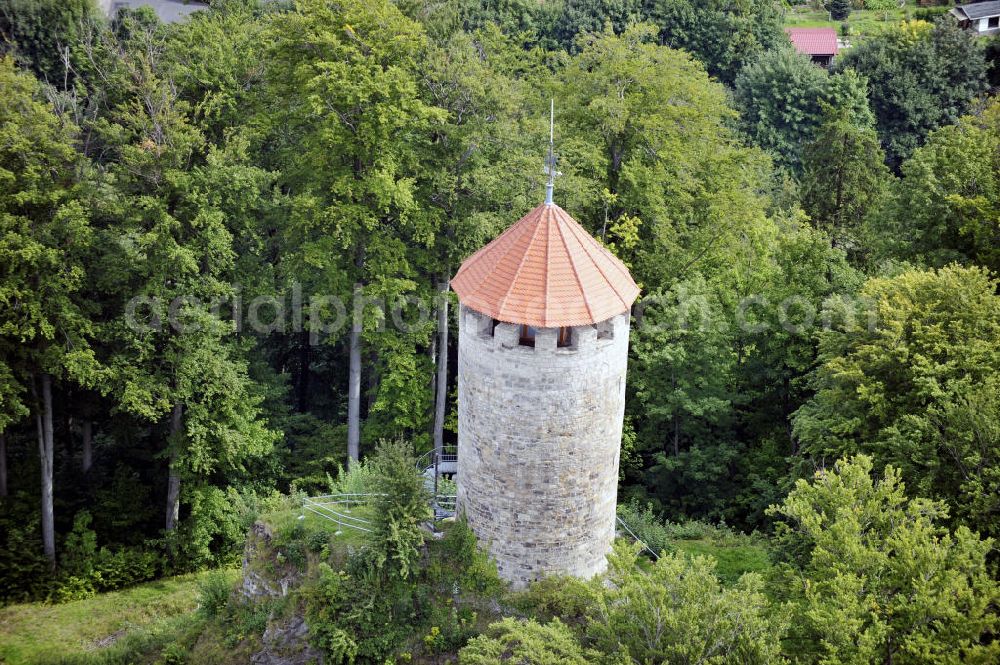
x=982, y=18
x=168, y=11
x=820, y=44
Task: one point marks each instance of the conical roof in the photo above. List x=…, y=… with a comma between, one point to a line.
x=545, y=271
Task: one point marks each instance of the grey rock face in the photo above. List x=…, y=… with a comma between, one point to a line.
x=287, y=644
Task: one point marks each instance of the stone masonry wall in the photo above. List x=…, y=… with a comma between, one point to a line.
x=539, y=436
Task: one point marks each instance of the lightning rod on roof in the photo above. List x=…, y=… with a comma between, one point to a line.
x=552, y=158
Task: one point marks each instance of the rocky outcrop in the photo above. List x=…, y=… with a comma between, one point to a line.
x=265, y=575
x=268, y=576
x=287, y=643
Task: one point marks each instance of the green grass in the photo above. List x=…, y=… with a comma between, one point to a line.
x=294, y=523
x=733, y=559
x=863, y=22
x=42, y=633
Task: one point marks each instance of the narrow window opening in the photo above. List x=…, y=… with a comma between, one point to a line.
x=994, y=22
x=527, y=335
x=565, y=337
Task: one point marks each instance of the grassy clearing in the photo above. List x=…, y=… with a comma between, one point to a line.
x=101, y=628
x=863, y=23
x=298, y=524
x=732, y=559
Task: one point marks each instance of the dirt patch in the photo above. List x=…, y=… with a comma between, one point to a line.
x=108, y=640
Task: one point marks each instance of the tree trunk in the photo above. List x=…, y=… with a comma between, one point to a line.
x=304, y=363
x=354, y=394
x=441, y=403
x=87, y=433
x=45, y=454
x=173, y=474
x=3, y=464
x=677, y=420
x=432, y=353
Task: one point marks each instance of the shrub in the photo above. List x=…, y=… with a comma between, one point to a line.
x=213, y=593
x=878, y=579
x=399, y=509
x=677, y=611
x=86, y=569
x=464, y=562
x=354, y=617
x=567, y=598
x=519, y=641
x=360, y=478
x=646, y=526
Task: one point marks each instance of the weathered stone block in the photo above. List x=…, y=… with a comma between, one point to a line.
x=539, y=437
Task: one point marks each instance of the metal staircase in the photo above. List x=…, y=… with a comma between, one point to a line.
x=434, y=466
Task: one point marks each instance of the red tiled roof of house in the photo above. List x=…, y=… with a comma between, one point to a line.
x=545, y=271
x=814, y=41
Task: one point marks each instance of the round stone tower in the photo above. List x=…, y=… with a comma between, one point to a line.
x=542, y=352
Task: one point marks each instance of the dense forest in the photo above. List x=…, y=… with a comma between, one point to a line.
x=225, y=245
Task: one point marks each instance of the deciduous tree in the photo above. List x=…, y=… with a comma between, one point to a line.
x=917, y=388
x=947, y=204
x=168, y=256
x=844, y=179
x=877, y=579
x=782, y=96
x=722, y=34
x=45, y=248
x=351, y=123
x=920, y=77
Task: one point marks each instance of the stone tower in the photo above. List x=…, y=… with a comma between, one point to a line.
x=542, y=351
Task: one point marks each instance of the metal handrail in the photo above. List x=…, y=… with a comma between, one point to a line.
x=329, y=506
x=426, y=460
x=637, y=539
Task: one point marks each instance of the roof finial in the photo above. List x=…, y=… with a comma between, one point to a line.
x=552, y=157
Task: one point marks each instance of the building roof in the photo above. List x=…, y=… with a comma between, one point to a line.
x=168, y=11
x=545, y=271
x=814, y=41
x=979, y=10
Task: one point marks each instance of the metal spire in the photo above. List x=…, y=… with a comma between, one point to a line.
x=552, y=157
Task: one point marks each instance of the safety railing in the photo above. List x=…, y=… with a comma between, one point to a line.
x=337, y=508
x=636, y=538
x=449, y=455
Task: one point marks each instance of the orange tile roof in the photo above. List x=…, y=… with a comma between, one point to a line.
x=545, y=271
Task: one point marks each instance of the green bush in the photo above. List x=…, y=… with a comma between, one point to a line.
x=451, y=627
x=358, y=617
x=316, y=541
x=360, y=478
x=676, y=611
x=528, y=641
x=213, y=593
x=399, y=509
x=567, y=598
x=86, y=569
x=248, y=620
x=465, y=563
x=646, y=526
